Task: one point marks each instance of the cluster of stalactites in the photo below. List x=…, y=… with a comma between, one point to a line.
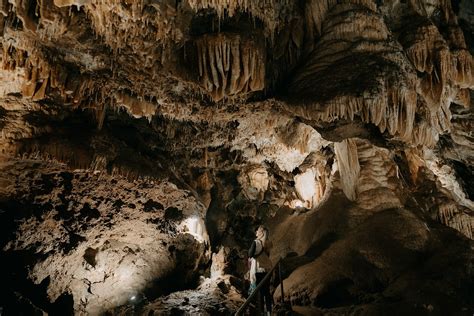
x=131, y=25
x=44, y=18
x=393, y=108
x=272, y=12
x=445, y=64
x=448, y=74
x=229, y=64
x=229, y=7
x=77, y=158
x=348, y=165
x=13, y=57
x=38, y=74
x=41, y=77
x=351, y=27
x=450, y=215
x=430, y=53
x=67, y=3
x=454, y=207
x=23, y=10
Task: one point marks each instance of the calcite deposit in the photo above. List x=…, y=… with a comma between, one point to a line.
x=143, y=142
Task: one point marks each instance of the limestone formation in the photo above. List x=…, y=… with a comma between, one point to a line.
x=142, y=142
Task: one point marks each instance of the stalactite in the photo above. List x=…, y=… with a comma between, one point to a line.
x=415, y=163
x=349, y=168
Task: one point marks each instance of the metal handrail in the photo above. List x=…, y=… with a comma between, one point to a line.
x=255, y=292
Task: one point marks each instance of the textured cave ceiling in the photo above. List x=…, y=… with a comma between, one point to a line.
x=143, y=141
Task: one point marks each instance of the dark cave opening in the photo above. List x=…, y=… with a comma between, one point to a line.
x=336, y=294
x=208, y=22
x=20, y=296
x=465, y=173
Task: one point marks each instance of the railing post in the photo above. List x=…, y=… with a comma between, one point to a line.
x=255, y=292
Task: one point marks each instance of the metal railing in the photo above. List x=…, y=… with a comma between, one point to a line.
x=257, y=289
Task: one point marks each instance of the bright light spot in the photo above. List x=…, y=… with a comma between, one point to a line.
x=133, y=297
x=305, y=185
x=295, y=204
x=195, y=227
x=125, y=273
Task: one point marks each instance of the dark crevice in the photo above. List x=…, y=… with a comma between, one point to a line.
x=208, y=22
x=465, y=175
x=336, y=294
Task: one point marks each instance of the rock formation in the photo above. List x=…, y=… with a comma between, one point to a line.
x=142, y=142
